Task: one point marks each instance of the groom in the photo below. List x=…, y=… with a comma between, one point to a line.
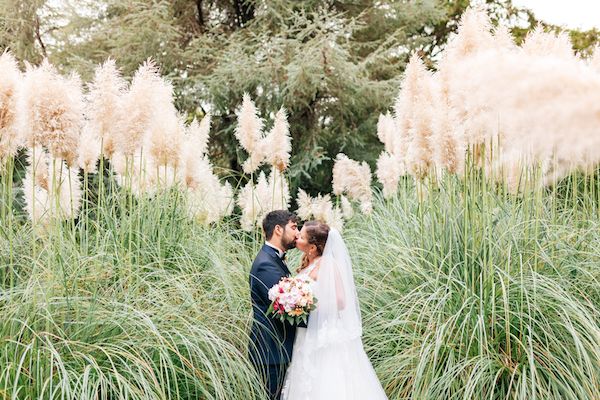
x=271, y=340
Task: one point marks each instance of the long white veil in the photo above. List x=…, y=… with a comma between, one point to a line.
x=330, y=363
x=337, y=316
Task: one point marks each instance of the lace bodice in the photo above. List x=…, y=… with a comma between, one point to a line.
x=306, y=271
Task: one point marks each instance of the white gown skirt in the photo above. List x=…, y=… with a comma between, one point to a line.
x=335, y=372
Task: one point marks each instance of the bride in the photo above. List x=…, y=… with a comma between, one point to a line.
x=328, y=359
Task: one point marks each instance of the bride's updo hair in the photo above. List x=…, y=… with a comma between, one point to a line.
x=316, y=233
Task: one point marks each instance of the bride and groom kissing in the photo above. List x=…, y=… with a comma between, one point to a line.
x=323, y=358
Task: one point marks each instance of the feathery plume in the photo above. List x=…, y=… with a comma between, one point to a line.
x=347, y=209
x=419, y=153
x=10, y=81
x=199, y=134
x=389, y=171
x=319, y=208
x=545, y=44
x=503, y=39
x=267, y=195
x=165, y=138
x=89, y=150
x=449, y=148
x=251, y=199
x=166, y=132
x=280, y=192
x=52, y=111
x=278, y=141
x=196, y=140
x=415, y=92
x=105, y=105
x=447, y=140
x=473, y=35
x=386, y=130
x=249, y=133
x=209, y=201
x=527, y=102
x=354, y=179
x=139, y=107
x=304, y=202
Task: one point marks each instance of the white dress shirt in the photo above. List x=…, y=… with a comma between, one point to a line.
x=279, y=252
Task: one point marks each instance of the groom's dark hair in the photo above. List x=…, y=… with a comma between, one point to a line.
x=277, y=217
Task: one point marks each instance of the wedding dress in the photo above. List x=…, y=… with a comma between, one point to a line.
x=328, y=360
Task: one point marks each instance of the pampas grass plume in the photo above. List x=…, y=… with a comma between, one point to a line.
x=473, y=35
x=278, y=141
x=354, y=179
x=10, y=81
x=389, y=170
x=89, y=150
x=320, y=209
x=249, y=134
x=196, y=141
x=139, y=108
x=51, y=111
x=105, y=105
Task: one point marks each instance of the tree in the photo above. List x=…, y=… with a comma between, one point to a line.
x=335, y=65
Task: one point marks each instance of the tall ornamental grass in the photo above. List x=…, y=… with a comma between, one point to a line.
x=473, y=293
x=467, y=291
x=126, y=303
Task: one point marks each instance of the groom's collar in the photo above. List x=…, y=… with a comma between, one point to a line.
x=279, y=252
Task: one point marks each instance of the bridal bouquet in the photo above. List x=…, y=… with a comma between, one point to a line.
x=292, y=299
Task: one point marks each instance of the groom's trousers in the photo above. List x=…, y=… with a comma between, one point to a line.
x=273, y=376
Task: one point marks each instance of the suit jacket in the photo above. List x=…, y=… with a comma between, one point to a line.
x=271, y=341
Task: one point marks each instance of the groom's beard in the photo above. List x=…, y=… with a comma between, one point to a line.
x=289, y=245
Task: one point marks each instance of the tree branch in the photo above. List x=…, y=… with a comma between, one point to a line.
x=39, y=37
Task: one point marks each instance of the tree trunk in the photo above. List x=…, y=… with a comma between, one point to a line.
x=200, y=15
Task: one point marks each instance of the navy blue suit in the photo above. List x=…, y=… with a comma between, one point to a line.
x=271, y=341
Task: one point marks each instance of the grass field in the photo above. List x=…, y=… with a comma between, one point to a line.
x=468, y=293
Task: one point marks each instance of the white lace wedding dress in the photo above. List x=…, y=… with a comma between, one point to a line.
x=328, y=360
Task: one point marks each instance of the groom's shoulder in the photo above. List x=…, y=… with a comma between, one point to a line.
x=263, y=259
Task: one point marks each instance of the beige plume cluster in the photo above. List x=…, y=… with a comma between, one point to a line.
x=268, y=194
x=50, y=111
x=354, y=179
x=257, y=199
x=273, y=147
x=321, y=209
x=209, y=200
x=136, y=127
x=10, y=79
x=512, y=107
